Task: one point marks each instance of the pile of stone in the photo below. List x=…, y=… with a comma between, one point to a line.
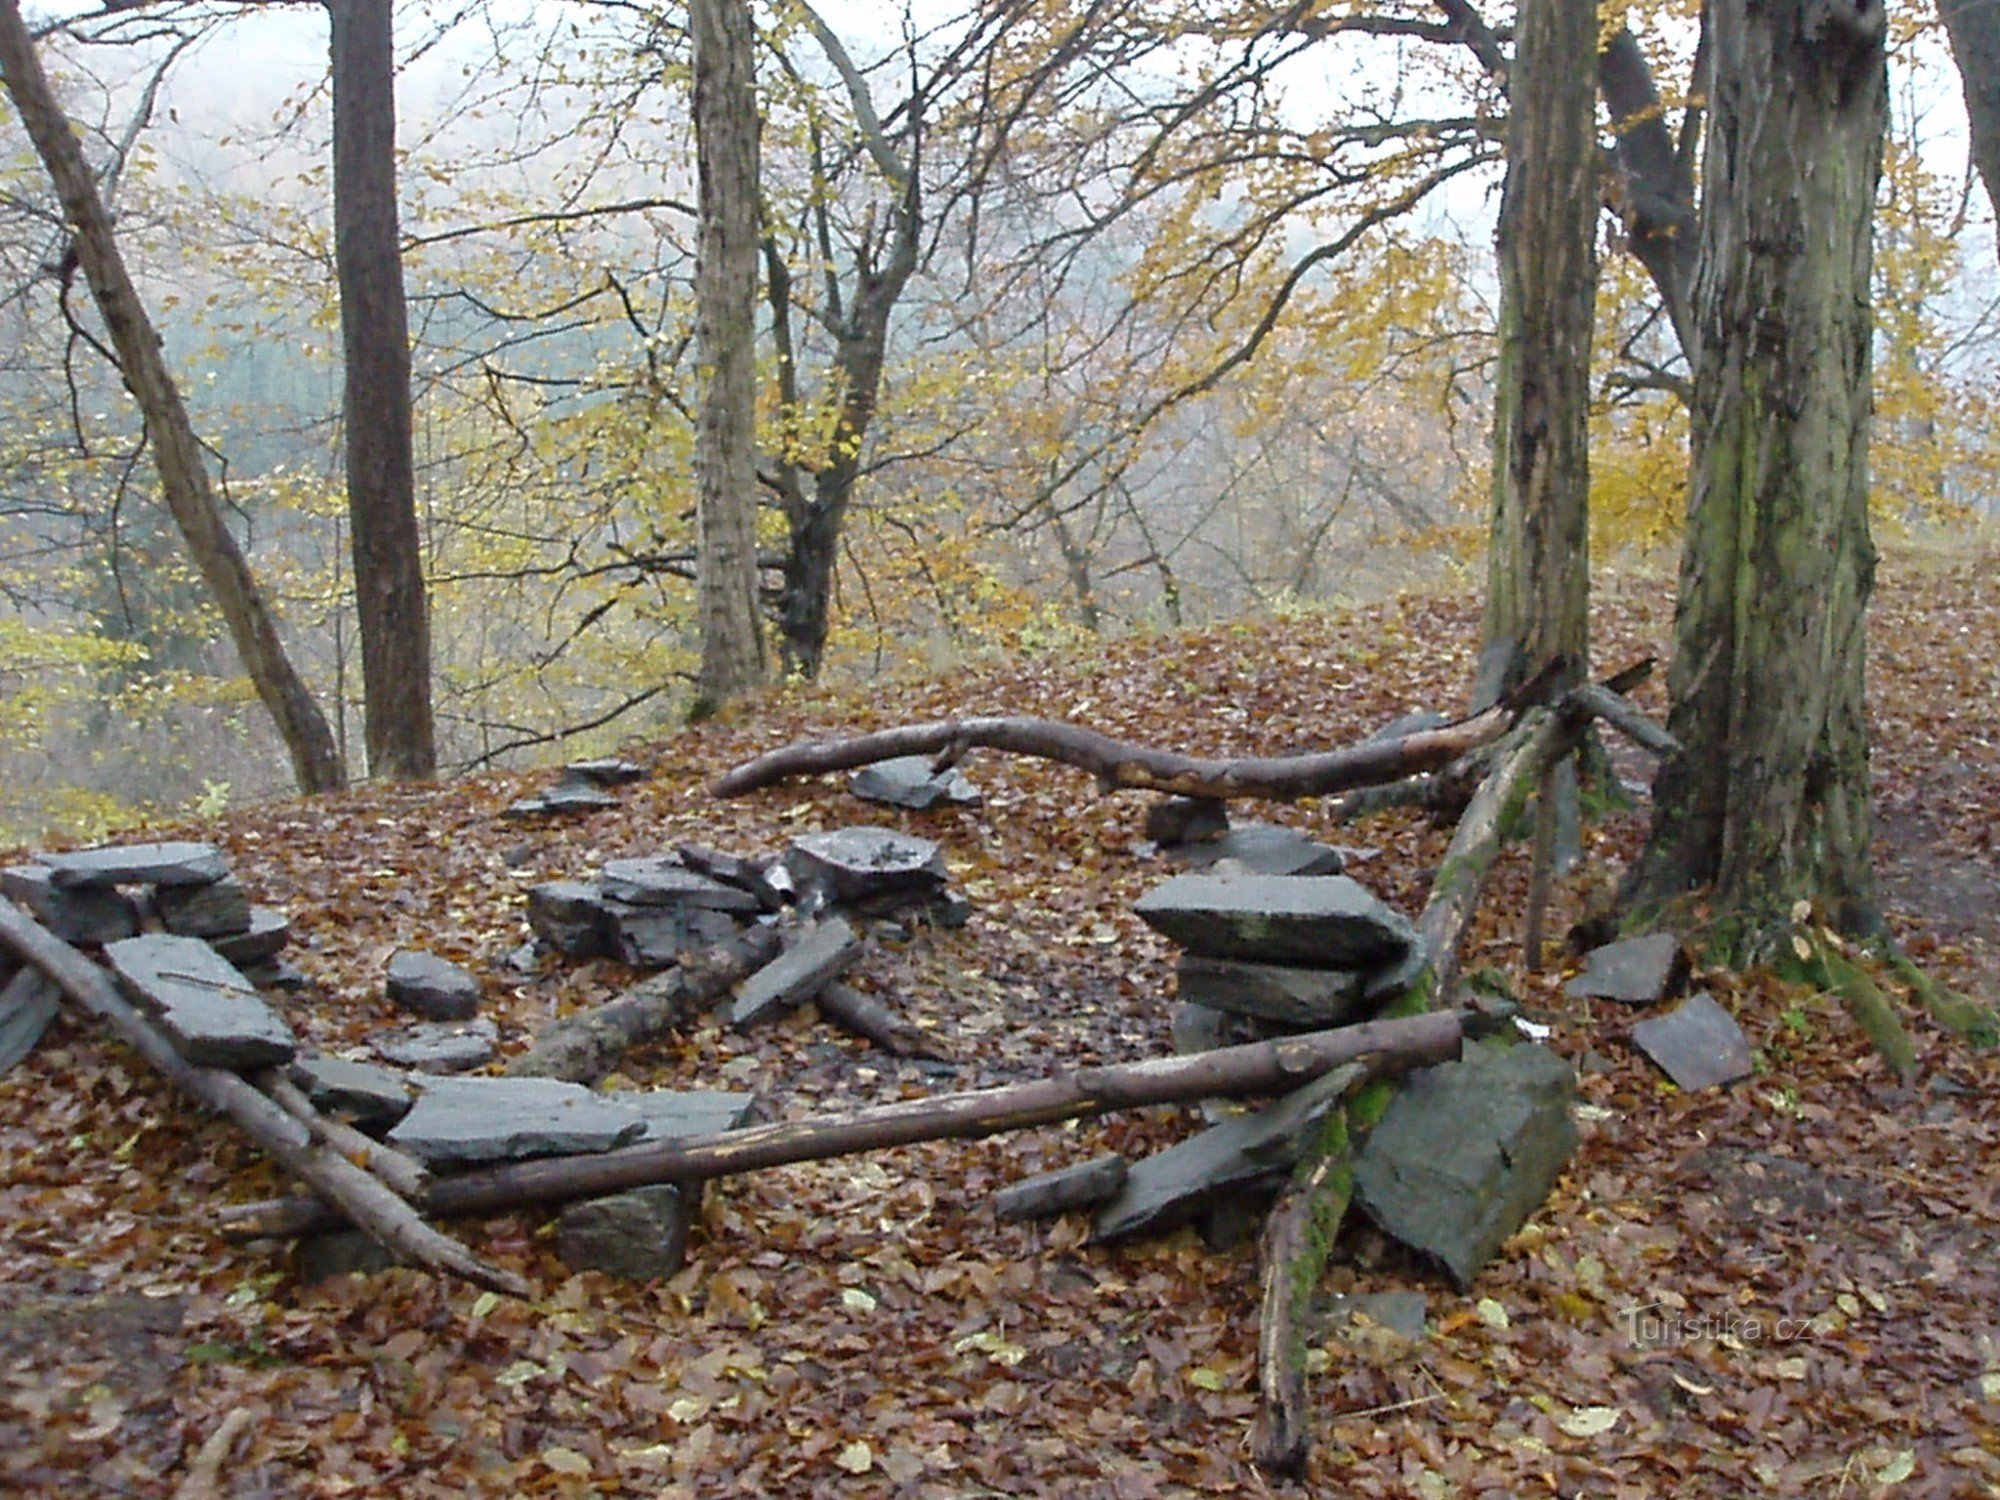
x=584, y=786
x=1196, y=834
x=93, y=897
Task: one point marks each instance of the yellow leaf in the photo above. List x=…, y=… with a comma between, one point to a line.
x=1492, y=1314
x=565, y=1460
x=1206, y=1379
x=856, y=1458
x=1590, y=1421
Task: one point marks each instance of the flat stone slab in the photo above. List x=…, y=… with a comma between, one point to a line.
x=607, y=772
x=571, y=917
x=77, y=914
x=28, y=1003
x=138, y=864
x=1187, y=820
x=507, y=1119
x=439, y=1046
x=372, y=1097
x=1186, y=1180
x=269, y=930
x=749, y=875
x=816, y=957
x=1697, y=1044
x=213, y=1015
x=655, y=937
x=677, y=1114
x=432, y=987
x=1303, y=998
x=665, y=881
x=636, y=1235
x=1633, y=971
x=1467, y=1151
x=1261, y=849
x=908, y=781
x=565, y=797
x=858, y=864
x=1311, y=921
x=1046, y=1194
x=214, y=910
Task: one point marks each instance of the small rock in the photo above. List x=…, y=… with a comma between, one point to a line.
x=277, y=974
x=1302, y=998
x=608, y=772
x=1314, y=921
x=219, y=909
x=439, y=1046
x=508, y=1119
x=373, y=1098
x=138, y=864
x=1201, y=1028
x=269, y=930
x=908, y=781
x=431, y=987
x=637, y=1235
x=1261, y=849
x=570, y=917
x=1634, y=971
x=77, y=914
x=1187, y=820
x=1697, y=1044
x=860, y=864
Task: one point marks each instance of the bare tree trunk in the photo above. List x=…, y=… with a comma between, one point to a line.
x=1974, y=29
x=725, y=121
x=1768, y=798
x=177, y=455
x=375, y=340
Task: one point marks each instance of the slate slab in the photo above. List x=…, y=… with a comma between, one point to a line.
x=1187, y=820
x=751, y=875
x=1300, y=998
x=269, y=930
x=571, y=918
x=655, y=937
x=1466, y=1152
x=1633, y=971
x=1312, y=921
x=28, y=1004
x=908, y=781
x=432, y=987
x=208, y=911
x=211, y=1014
x=1261, y=849
x=1082, y=1185
x=665, y=881
x=565, y=797
x=77, y=914
x=508, y=1119
x=1184, y=1181
x=373, y=1098
x=820, y=954
x=676, y=1114
x=1697, y=1044
x=856, y=864
x=138, y=864
x=607, y=772
x=439, y=1046
x=636, y=1235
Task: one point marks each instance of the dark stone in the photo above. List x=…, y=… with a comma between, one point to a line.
x=815, y=957
x=655, y=937
x=1391, y=981
x=1197, y=1028
x=373, y=1098
x=676, y=1114
x=1635, y=971
x=341, y=1252
x=213, y=1015
x=1317, y=921
x=1083, y=1185
x=507, y=1119
x=269, y=930
x=137, y=864
x=1187, y=820
x=1301, y=998
x=1697, y=1044
x=908, y=781
x=751, y=875
x=28, y=1003
x=666, y=882
x=1261, y=849
x=862, y=864
x=1466, y=1152
x=637, y=1235
x=76, y=915
x=577, y=796
x=220, y=909
x=277, y=974
x=571, y=918
x=439, y=1046
x=948, y=909
x=431, y=987
x=604, y=773
x=1240, y=1155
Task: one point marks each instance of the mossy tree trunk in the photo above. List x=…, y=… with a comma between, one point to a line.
x=1974, y=29
x=1767, y=799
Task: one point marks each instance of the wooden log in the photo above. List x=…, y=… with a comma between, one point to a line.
x=353, y=1193
x=406, y=1177
x=1257, y=1068
x=1624, y=716
x=1298, y=1237
x=1118, y=764
x=582, y=1048
x=873, y=1021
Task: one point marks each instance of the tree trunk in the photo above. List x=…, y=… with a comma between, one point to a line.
x=1974, y=29
x=1538, y=562
x=177, y=454
x=375, y=341
x=726, y=123
x=1767, y=799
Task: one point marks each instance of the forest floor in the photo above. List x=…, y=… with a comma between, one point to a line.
x=1784, y=1288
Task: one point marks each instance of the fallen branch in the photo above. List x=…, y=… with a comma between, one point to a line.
x=1257, y=1068
x=873, y=1021
x=405, y=1176
x=358, y=1197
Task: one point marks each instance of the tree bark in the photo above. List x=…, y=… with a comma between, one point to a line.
x=1974, y=29
x=725, y=127
x=370, y=1205
x=177, y=454
x=1768, y=798
x=1118, y=764
x=375, y=340
x=1259, y=1068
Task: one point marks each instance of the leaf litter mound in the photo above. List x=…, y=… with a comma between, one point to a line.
x=1785, y=1288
